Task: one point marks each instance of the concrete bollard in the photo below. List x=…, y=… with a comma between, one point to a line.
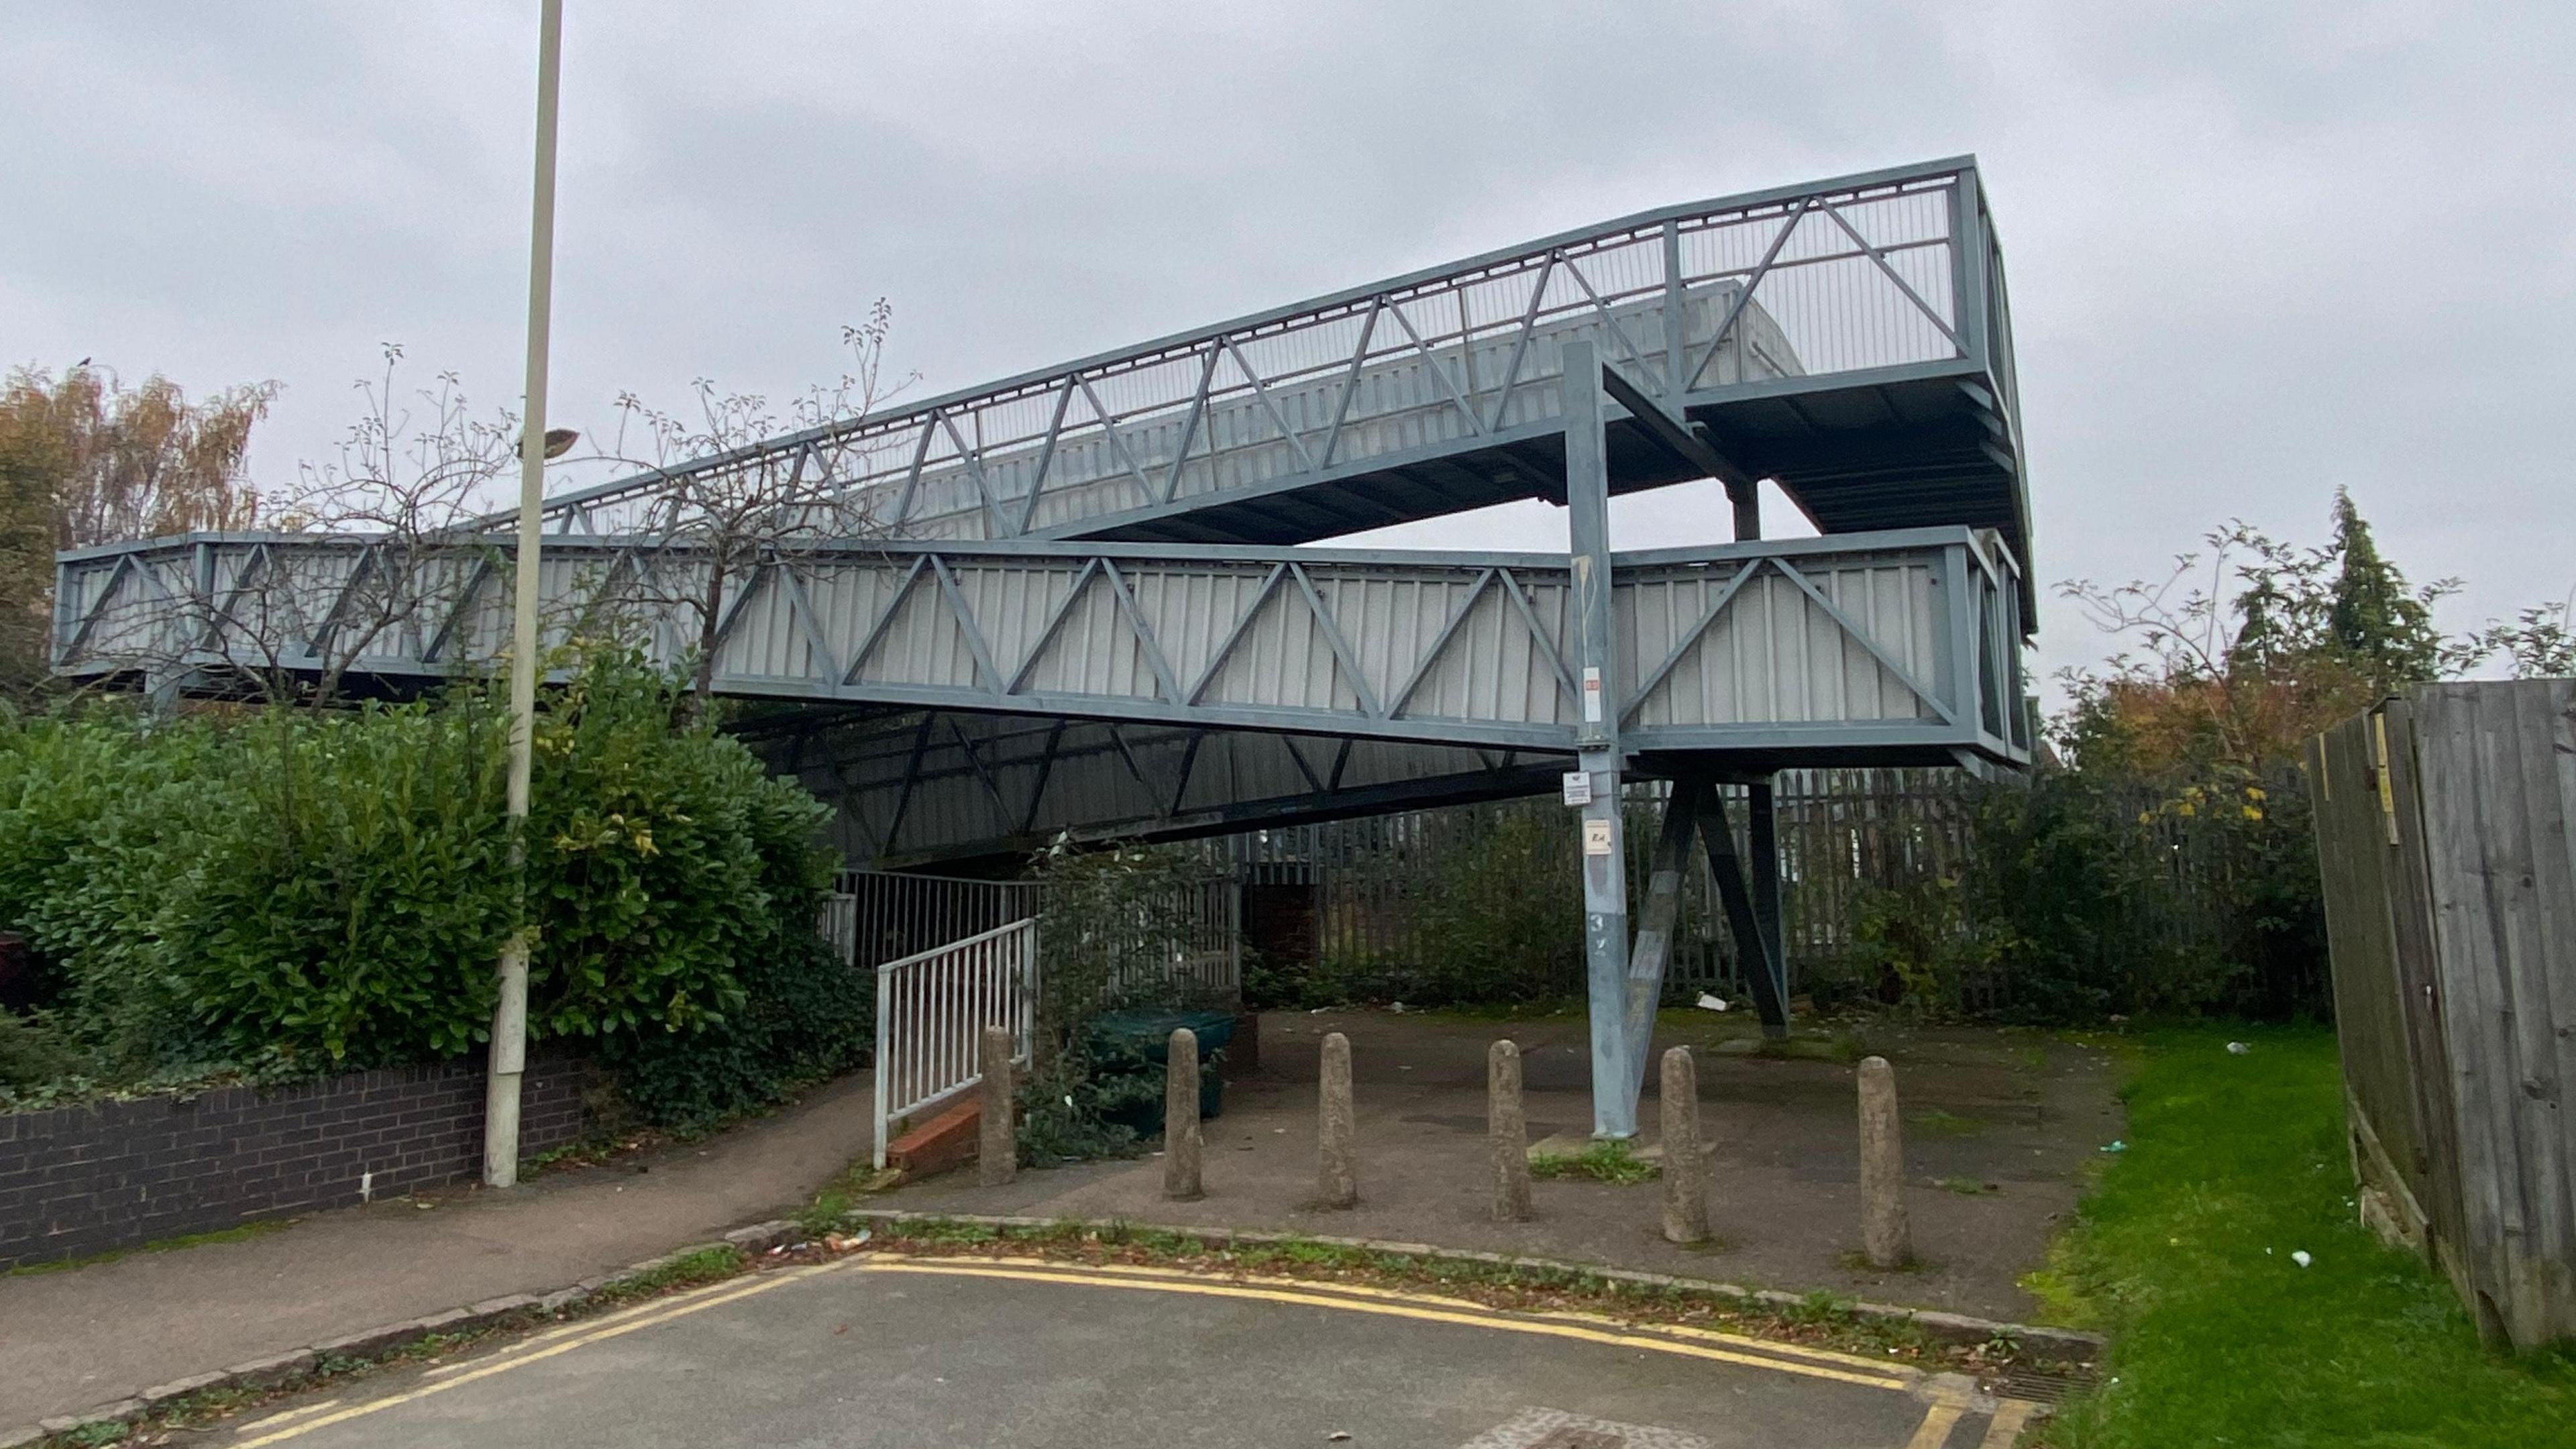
x=997, y=1151
x=1336, y=1176
x=1510, y=1130
x=1685, y=1169
x=1181, y=1137
x=1885, y=1239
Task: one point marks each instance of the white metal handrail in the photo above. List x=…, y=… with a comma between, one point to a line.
x=932, y=1008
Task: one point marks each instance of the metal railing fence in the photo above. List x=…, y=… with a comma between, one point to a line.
x=1199, y=930
x=932, y=1008
x=1842, y=833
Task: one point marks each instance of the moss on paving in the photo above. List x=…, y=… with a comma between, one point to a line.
x=2183, y=1253
x=234, y=1234
x=1935, y=1122
x=1611, y=1162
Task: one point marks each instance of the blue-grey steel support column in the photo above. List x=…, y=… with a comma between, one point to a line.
x=1605, y=856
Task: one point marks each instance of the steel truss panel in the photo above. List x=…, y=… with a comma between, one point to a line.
x=1883, y=641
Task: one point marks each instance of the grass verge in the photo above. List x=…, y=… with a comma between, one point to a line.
x=2219, y=1337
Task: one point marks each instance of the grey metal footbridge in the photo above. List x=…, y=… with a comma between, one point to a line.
x=1089, y=604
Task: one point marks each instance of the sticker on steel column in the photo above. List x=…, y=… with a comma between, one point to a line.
x=1596, y=837
x=1578, y=787
x=1591, y=696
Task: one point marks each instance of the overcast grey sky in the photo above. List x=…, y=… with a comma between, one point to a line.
x=2257, y=250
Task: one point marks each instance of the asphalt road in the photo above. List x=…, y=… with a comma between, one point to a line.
x=876, y=1350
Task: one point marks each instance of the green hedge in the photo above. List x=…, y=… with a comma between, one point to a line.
x=325, y=890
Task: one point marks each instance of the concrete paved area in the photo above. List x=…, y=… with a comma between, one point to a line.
x=2011, y=1119
x=1999, y=1128
x=77, y=1337
x=872, y=1351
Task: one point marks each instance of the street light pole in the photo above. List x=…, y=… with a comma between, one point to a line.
x=509, y=1053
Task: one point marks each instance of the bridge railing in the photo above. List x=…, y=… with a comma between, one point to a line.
x=1874, y=273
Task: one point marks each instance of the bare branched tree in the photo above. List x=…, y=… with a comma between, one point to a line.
x=2539, y=644
x=2253, y=643
x=387, y=552
x=724, y=510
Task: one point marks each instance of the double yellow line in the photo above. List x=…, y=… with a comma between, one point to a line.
x=1676, y=1339
x=1425, y=1308
x=555, y=1342
x=1939, y=1418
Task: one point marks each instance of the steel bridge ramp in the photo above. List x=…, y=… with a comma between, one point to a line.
x=1849, y=339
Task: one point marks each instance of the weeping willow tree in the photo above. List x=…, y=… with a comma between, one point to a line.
x=84, y=459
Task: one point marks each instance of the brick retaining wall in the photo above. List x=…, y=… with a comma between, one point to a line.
x=81, y=1180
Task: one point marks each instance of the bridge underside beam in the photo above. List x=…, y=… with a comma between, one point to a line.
x=959, y=789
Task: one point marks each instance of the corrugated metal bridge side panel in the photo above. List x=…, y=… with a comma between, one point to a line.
x=1730, y=646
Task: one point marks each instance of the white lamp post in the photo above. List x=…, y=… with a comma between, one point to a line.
x=510, y=1014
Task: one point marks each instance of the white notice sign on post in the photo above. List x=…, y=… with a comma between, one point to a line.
x=1596, y=837
x=1578, y=787
x=1591, y=696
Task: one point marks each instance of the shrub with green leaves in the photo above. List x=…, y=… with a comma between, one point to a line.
x=1106, y=925
x=2088, y=894
x=291, y=887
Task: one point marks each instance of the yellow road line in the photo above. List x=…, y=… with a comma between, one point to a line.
x=592, y=1325
x=1361, y=1290
x=2010, y=1416
x=293, y=1414
x=514, y=1360
x=1302, y=1295
x=1934, y=1431
x=1759, y=1345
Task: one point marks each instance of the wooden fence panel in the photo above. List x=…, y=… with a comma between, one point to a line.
x=2495, y=823
x=2409, y=895
x=2389, y=1118
x=2446, y=830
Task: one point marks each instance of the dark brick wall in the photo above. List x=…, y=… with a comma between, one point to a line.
x=82, y=1180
